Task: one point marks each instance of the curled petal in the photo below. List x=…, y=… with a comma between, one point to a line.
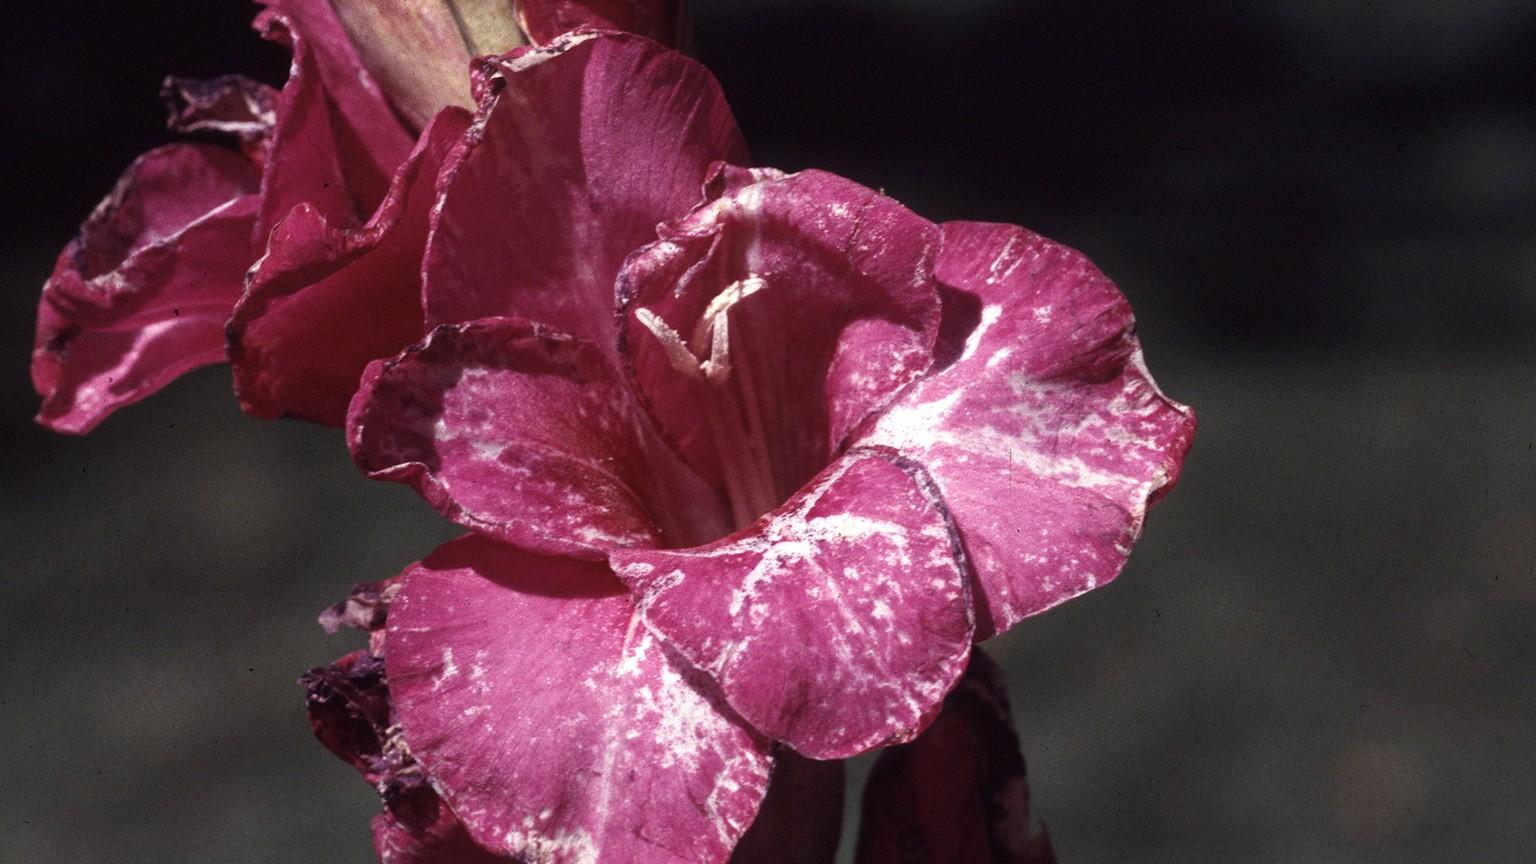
x=835, y=624
x=336, y=142
x=326, y=299
x=517, y=432
x=141, y=294
x=553, y=723
x=543, y=20
x=1046, y=435
x=783, y=310
x=957, y=793
x=580, y=149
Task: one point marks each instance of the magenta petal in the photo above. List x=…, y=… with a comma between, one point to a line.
x=959, y=792
x=140, y=296
x=543, y=20
x=1047, y=437
x=553, y=723
x=784, y=310
x=836, y=623
x=516, y=432
x=440, y=841
x=582, y=148
x=801, y=819
x=336, y=142
x=324, y=300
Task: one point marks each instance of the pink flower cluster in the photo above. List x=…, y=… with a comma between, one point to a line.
x=749, y=461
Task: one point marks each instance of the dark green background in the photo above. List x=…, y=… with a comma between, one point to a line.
x=1324, y=650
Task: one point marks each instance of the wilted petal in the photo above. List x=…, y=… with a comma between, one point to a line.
x=140, y=296
x=836, y=623
x=553, y=722
x=584, y=148
x=1046, y=436
x=326, y=299
x=337, y=142
x=228, y=105
x=958, y=794
x=522, y=434
x=420, y=52
x=543, y=20
x=349, y=711
x=772, y=319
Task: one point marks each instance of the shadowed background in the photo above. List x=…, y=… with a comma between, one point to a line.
x=1324, y=649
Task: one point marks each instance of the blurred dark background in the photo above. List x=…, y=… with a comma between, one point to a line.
x=1324, y=211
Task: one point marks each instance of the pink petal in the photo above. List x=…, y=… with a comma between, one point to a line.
x=958, y=793
x=836, y=309
x=336, y=142
x=836, y=623
x=579, y=151
x=1046, y=436
x=141, y=295
x=553, y=723
x=324, y=300
x=520, y=433
x=543, y=20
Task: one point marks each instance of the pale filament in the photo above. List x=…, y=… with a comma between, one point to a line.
x=735, y=414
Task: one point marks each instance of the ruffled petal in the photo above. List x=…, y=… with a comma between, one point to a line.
x=140, y=296
x=957, y=793
x=1046, y=435
x=324, y=300
x=522, y=434
x=336, y=142
x=553, y=723
x=835, y=624
x=420, y=52
x=580, y=149
x=773, y=318
x=543, y=20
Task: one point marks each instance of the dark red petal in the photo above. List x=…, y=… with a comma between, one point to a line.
x=958, y=794
x=519, y=433
x=1046, y=435
x=836, y=623
x=326, y=299
x=837, y=310
x=801, y=819
x=584, y=147
x=336, y=142
x=543, y=20
x=140, y=296
x=553, y=722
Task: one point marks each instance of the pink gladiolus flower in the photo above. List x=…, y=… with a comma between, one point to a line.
x=763, y=474
x=326, y=196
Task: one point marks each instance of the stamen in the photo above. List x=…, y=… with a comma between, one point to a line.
x=682, y=359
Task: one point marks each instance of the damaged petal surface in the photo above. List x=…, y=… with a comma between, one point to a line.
x=582, y=149
x=835, y=624
x=555, y=725
x=141, y=295
x=544, y=20
x=517, y=432
x=772, y=319
x=1045, y=435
